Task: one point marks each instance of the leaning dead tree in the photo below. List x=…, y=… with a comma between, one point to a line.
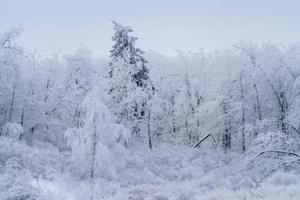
x=204, y=138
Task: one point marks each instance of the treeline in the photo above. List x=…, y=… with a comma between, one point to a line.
x=235, y=94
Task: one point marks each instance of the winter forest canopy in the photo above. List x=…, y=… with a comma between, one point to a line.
x=222, y=124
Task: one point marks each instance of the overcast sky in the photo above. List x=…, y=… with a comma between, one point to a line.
x=161, y=25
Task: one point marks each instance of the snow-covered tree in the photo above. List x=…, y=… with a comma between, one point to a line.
x=80, y=78
x=99, y=143
x=11, y=58
x=130, y=87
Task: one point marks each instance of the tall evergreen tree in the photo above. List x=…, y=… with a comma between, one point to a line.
x=130, y=88
x=131, y=57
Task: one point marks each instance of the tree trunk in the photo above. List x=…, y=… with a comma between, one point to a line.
x=188, y=133
x=47, y=88
x=12, y=102
x=243, y=115
x=257, y=102
x=94, y=151
x=227, y=134
x=76, y=118
x=149, y=129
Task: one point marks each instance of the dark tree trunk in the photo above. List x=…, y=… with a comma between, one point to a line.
x=149, y=129
x=12, y=103
x=243, y=115
x=257, y=102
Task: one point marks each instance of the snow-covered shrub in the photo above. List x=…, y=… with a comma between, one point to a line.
x=272, y=141
x=39, y=133
x=22, y=167
x=282, y=178
x=271, y=152
x=12, y=130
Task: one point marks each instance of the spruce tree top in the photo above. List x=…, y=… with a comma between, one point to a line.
x=124, y=51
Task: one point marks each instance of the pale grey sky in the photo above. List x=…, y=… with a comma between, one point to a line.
x=161, y=25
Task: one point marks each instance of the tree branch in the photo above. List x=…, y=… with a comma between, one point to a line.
x=279, y=152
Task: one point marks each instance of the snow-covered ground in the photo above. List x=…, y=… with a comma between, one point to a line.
x=178, y=173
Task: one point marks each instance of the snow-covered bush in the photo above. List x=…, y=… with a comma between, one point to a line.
x=22, y=167
x=270, y=141
x=283, y=178
x=269, y=153
x=12, y=130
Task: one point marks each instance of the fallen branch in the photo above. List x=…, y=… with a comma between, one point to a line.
x=204, y=138
x=279, y=152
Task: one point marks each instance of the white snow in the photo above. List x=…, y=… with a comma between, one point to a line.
x=164, y=173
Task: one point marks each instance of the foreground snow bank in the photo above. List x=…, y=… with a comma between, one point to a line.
x=41, y=172
x=22, y=167
x=186, y=174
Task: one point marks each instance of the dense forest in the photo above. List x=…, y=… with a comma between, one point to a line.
x=223, y=124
